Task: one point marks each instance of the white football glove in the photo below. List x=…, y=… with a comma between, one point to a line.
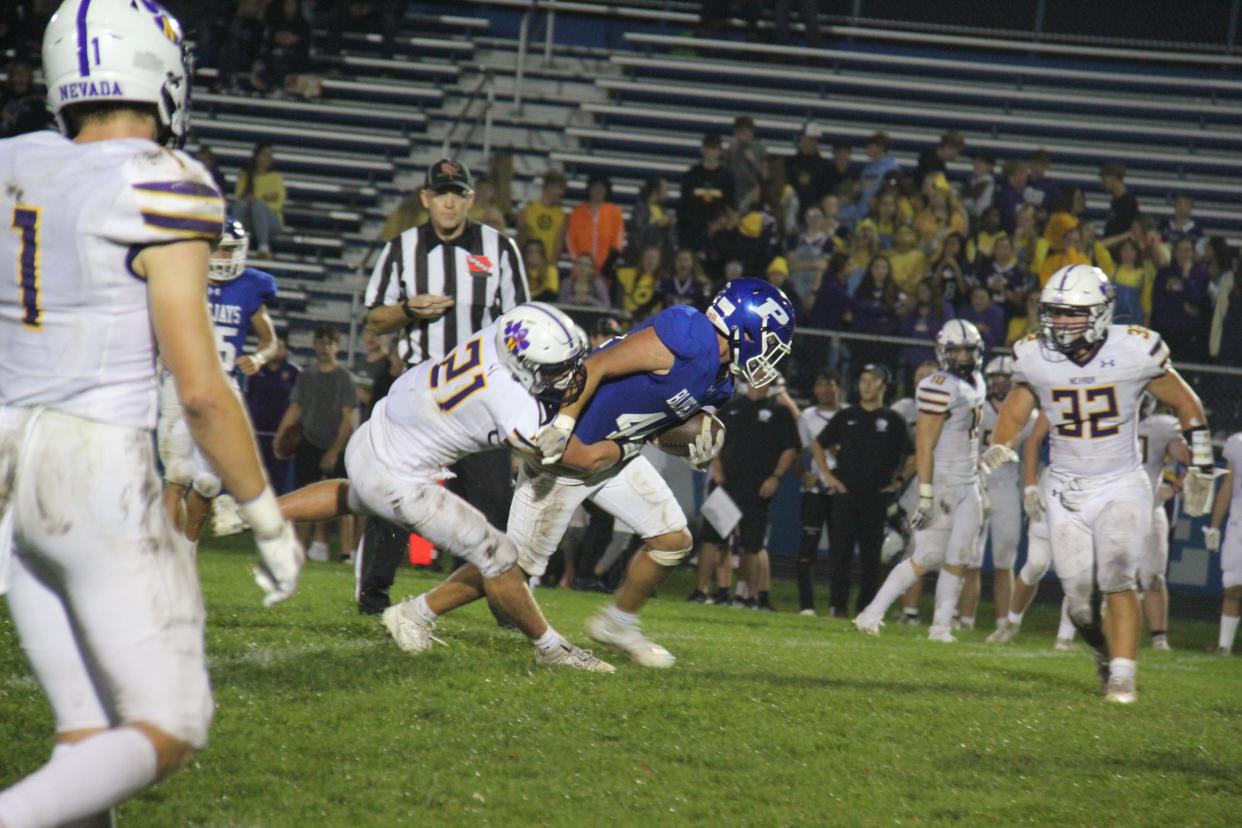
x=704, y=448
x=554, y=437
x=1197, y=490
x=280, y=554
x=1211, y=539
x=995, y=457
x=922, y=516
x=1033, y=503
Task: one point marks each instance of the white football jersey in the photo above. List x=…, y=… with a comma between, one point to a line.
x=75, y=330
x=439, y=412
x=1093, y=408
x=811, y=422
x=1009, y=474
x=908, y=410
x=957, y=450
x=1233, y=454
x=1156, y=433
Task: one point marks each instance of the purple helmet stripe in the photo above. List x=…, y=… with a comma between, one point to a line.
x=84, y=61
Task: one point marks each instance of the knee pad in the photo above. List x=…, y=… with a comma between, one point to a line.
x=207, y=484
x=672, y=557
x=499, y=554
x=1080, y=607
x=1153, y=581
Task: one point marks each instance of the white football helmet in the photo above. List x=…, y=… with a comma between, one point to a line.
x=228, y=260
x=544, y=350
x=118, y=50
x=959, y=335
x=1082, y=298
x=999, y=374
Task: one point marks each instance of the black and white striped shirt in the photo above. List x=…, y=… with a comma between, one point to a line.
x=481, y=269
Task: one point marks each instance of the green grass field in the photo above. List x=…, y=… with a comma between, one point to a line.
x=766, y=720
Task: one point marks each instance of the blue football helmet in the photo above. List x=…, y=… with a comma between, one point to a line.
x=228, y=260
x=758, y=320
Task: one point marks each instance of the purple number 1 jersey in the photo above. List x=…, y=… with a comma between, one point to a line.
x=232, y=304
x=635, y=406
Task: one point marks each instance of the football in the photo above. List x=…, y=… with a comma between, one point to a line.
x=676, y=440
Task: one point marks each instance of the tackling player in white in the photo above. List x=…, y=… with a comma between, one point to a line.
x=109, y=261
x=1087, y=376
x=949, y=514
x=1229, y=502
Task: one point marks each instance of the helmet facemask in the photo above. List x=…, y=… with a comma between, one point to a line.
x=760, y=369
x=1079, y=328
x=228, y=260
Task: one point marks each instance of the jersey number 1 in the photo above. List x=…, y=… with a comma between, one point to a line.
x=26, y=222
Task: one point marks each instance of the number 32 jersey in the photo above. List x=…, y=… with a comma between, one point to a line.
x=1093, y=407
x=75, y=328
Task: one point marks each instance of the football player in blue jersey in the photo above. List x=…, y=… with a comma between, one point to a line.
x=658, y=375
x=237, y=297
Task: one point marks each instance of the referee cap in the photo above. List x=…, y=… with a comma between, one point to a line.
x=447, y=175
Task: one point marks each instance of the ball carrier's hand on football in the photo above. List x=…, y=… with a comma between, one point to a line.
x=697, y=440
x=636, y=353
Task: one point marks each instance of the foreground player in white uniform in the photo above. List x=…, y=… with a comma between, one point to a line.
x=1087, y=375
x=950, y=510
x=1160, y=439
x=1229, y=502
x=108, y=257
x=484, y=394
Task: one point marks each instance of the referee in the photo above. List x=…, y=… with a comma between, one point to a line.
x=436, y=285
x=873, y=450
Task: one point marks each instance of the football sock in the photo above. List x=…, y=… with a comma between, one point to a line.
x=948, y=590
x=967, y=622
x=1121, y=668
x=622, y=617
x=549, y=641
x=1066, y=630
x=91, y=777
x=1228, y=629
x=1015, y=618
x=421, y=611
x=898, y=581
x=910, y=612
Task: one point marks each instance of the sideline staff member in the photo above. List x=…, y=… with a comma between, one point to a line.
x=873, y=452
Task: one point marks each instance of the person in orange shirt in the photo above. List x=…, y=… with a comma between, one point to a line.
x=1071, y=255
x=596, y=226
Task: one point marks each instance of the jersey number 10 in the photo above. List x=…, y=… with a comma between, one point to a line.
x=26, y=222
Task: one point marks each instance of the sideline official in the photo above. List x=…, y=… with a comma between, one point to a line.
x=436, y=285
x=873, y=453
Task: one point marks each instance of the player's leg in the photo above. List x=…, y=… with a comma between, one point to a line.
x=813, y=516
x=1231, y=579
x=968, y=602
x=1152, y=579
x=1038, y=561
x=763, y=579
x=323, y=500
x=1003, y=527
x=929, y=549
x=1122, y=526
x=1065, y=632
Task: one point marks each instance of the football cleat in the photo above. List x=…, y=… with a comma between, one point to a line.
x=1064, y=645
x=630, y=640
x=1223, y=651
x=1160, y=643
x=808, y=612
x=909, y=620
x=568, y=655
x=412, y=634
x=1005, y=632
x=1121, y=690
x=942, y=634
x=698, y=597
x=867, y=625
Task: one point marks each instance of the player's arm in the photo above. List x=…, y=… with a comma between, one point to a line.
x=1170, y=389
x=1221, y=508
x=1030, y=450
x=261, y=324
x=927, y=430
x=591, y=457
x=1173, y=391
x=1014, y=414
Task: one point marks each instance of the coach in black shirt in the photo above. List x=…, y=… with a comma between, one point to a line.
x=873, y=450
x=437, y=285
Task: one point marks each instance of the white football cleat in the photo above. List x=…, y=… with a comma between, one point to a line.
x=867, y=625
x=412, y=634
x=630, y=640
x=1005, y=632
x=809, y=613
x=1121, y=690
x=1224, y=651
x=1160, y=644
x=568, y=655
x=942, y=634
x=1064, y=645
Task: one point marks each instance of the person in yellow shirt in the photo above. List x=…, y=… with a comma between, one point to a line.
x=1071, y=255
x=641, y=285
x=1132, y=280
x=908, y=261
x=1095, y=250
x=544, y=280
x=979, y=248
x=1025, y=236
x=864, y=245
x=544, y=219
x=260, y=199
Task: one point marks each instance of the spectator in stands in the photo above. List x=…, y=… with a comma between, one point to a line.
x=1180, y=304
x=864, y=245
x=1040, y=190
x=987, y=317
x=978, y=192
x=1181, y=225
x=241, y=45
x=746, y=160
x=886, y=218
x=22, y=106
x=360, y=17
x=1132, y=281
x=1227, y=294
x=780, y=199
x=830, y=206
x=1096, y=253
x=485, y=209
x=830, y=308
x=874, y=311
x=322, y=404
x=545, y=281
x=286, y=43
x=596, y=226
x=1123, y=210
x=839, y=172
x=988, y=229
x=639, y=286
x=1026, y=237
x=937, y=159
x=584, y=286
x=909, y=263
x=951, y=272
x=1069, y=252
x=544, y=219
x=923, y=321
x=757, y=240
x=778, y=274
x=409, y=213
x=1004, y=278
x=704, y=187
x=207, y=157
x=1026, y=323
x=808, y=256
x=1015, y=174
x=1063, y=216
x=267, y=398
x=942, y=215
x=879, y=166
x=723, y=243
x=651, y=225
x=260, y=199
x=687, y=285
x=380, y=366
x=807, y=170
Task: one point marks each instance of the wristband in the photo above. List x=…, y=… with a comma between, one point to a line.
x=263, y=514
x=1200, y=441
x=258, y=359
x=564, y=422
x=926, y=491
